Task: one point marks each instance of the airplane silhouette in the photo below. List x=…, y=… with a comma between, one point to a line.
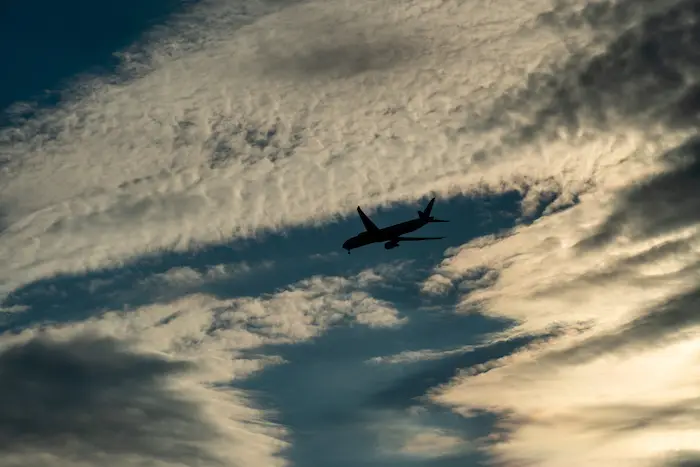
x=392, y=235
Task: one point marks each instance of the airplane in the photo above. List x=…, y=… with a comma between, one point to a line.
x=392, y=235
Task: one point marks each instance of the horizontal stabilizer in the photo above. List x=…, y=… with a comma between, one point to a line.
x=415, y=239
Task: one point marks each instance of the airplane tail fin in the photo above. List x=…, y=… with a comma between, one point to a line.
x=425, y=214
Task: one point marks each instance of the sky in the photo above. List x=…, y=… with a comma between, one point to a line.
x=177, y=180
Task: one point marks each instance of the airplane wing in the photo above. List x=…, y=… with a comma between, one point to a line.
x=404, y=239
x=369, y=225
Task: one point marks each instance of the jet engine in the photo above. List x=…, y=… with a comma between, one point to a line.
x=390, y=245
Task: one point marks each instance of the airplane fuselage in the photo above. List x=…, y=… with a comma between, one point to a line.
x=385, y=234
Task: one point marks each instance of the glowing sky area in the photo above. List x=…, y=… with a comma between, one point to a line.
x=177, y=179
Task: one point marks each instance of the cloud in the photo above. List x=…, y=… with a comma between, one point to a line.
x=660, y=325
x=296, y=313
x=329, y=46
x=435, y=443
x=90, y=400
x=640, y=69
x=181, y=281
x=616, y=273
x=664, y=203
x=200, y=142
x=608, y=410
x=155, y=384
x=627, y=309
x=685, y=459
x=404, y=435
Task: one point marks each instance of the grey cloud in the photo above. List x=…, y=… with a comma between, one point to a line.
x=344, y=59
x=632, y=417
x=90, y=401
x=666, y=202
x=663, y=203
x=627, y=268
x=659, y=325
x=352, y=58
x=611, y=15
x=648, y=73
x=337, y=45
x=684, y=459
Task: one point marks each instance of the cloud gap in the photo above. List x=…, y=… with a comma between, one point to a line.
x=316, y=251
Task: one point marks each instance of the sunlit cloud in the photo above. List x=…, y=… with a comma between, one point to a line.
x=403, y=435
x=617, y=272
x=173, y=366
x=233, y=130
